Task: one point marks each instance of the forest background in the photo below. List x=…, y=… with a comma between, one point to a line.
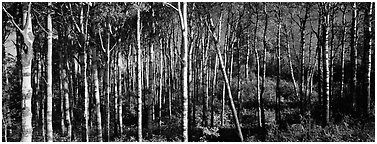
x=112, y=71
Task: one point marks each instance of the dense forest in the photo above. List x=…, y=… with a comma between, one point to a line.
x=177, y=71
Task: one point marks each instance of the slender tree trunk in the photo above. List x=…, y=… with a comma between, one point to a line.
x=302, y=62
x=331, y=63
x=108, y=85
x=121, y=95
x=239, y=98
x=247, y=60
x=353, y=43
x=66, y=100
x=264, y=65
x=160, y=93
x=151, y=75
x=117, y=84
x=86, y=96
x=43, y=119
x=234, y=111
x=368, y=54
x=277, y=110
x=86, y=86
x=326, y=59
x=319, y=54
x=216, y=67
x=206, y=71
x=344, y=8
x=139, y=78
x=97, y=95
x=259, y=112
x=49, y=77
x=185, y=70
x=62, y=123
x=291, y=65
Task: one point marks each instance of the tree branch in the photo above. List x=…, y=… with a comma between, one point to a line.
x=43, y=29
x=112, y=48
x=170, y=5
x=100, y=37
x=12, y=20
x=74, y=20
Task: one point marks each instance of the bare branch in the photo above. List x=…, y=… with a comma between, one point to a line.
x=112, y=48
x=74, y=20
x=43, y=29
x=170, y=5
x=12, y=20
x=100, y=37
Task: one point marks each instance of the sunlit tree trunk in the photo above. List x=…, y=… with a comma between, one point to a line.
x=97, y=94
x=139, y=78
x=257, y=59
x=66, y=99
x=222, y=65
x=184, y=70
x=291, y=65
x=264, y=65
x=86, y=86
x=49, y=77
x=108, y=84
x=239, y=98
x=120, y=97
x=26, y=59
x=161, y=80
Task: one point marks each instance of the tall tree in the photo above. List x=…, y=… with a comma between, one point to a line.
x=343, y=9
x=139, y=78
x=97, y=94
x=257, y=59
x=326, y=59
x=234, y=111
x=277, y=110
x=49, y=76
x=368, y=54
x=353, y=43
x=26, y=58
x=182, y=12
x=183, y=15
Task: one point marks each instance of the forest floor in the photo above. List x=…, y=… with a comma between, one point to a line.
x=347, y=129
x=292, y=128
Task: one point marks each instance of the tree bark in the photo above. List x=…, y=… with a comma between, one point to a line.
x=326, y=59
x=183, y=14
x=108, y=84
x=368, y=54
x=139, y=78
x=277, y=110
x=160, y=92
x=120, y=97
x=291, y=65
x=353, y=87
x=66, y=100
x=97, y=95
x=344, y=8
x=49, y=77
x=257, y=59
x=26, y=58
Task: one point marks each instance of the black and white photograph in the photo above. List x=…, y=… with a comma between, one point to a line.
x=188, y=71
